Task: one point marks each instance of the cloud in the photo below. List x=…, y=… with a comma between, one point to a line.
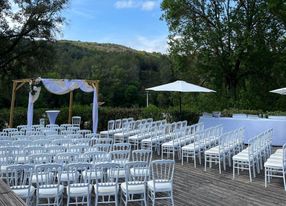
x=148, y=5
x=125, y=4
x=145, y=5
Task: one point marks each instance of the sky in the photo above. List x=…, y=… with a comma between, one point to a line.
x=133, y=23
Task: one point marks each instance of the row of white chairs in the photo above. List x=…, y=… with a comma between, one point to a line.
x=252, y=158
x=133, y=128
x=49, y=187
x=275, y=166
x=229, y=144
x=45, y=131
x=117, y=125
x=178, y=139
x=202, y=141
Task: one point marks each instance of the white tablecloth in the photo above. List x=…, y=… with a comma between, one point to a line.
x=252, y=126
x=52, y=115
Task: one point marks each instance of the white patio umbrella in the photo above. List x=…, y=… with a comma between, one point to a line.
x=281, y=91
x=179, y=86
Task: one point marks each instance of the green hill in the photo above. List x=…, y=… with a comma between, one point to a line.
x=124, y=73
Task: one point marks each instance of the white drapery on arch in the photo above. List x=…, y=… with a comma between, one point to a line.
x=60, y=87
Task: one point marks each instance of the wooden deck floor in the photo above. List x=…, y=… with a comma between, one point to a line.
x=194, y=186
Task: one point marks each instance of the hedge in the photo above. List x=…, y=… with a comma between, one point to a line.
x=108, y=113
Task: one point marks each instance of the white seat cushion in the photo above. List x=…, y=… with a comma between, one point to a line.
x=79, y=190
x=160, y=187
x=241, y=157
x=273, y=163
x=23, y=192
x=103, y=190
x=135, y=188
x=191, y=147
x=50, y=192
x=213, y=150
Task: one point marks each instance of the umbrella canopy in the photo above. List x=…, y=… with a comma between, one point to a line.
x=179, y=86
x=281, y=91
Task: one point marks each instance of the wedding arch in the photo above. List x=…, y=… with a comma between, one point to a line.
x=59, y=87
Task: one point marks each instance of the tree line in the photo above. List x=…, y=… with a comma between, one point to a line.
x=234, y=47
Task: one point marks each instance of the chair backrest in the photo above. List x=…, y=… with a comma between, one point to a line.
x=106, y=175
x=41, y=142
x=6, y=143
x=142, y=156
x=136, y=173
x=78, y=173
x=22, y=143
x=42, y=158
x=104, y=141
x=76, y=121
x=62, y=142
x=3, y=134
x=120, y=156
x=110, y=125
x=35, y=150
x=55, y=149
x=121, y=146
x=162, y=170
x=42, y=121
x=66, y=158
x=78, y=149
x=16, y=133
x=83, y=132
x=96, y=157
x=117, y=123
x=20, y=175
x=48, y=175
x=103, y=147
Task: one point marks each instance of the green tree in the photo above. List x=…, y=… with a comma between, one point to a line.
x=230, y=45
x=27, y=29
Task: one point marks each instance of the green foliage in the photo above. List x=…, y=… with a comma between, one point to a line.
x=235, y=47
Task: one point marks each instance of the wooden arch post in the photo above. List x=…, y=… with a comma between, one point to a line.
x=17, y=84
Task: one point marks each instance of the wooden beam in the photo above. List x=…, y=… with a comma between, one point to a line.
x=20, y=85
x=12, y=104
x=70, y=107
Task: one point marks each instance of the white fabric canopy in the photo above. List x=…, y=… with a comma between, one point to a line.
x=281, y=91
x=60, y=87
x=180, y=86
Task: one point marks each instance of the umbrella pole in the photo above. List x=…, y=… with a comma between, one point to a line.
x=180, y=105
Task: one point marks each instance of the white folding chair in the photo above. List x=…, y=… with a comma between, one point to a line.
x=48, y=184
x=78, y=188
x=162, y=181
x=19, y=178
x=134, y=187
x=106, y=187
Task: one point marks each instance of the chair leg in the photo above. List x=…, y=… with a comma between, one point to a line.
x=205, y=163
x=265, y=175
x=249, y=168
x=233, y=170
x=284, y=181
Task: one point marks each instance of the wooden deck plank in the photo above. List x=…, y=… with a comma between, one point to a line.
x=8, y=197
x=194, y=186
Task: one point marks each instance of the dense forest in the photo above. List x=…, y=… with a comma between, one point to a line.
x=124, y=73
